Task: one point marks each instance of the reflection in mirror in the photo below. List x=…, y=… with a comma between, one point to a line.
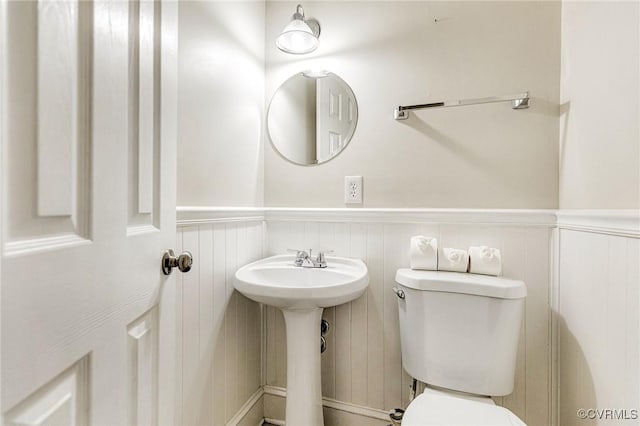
x=312, y=117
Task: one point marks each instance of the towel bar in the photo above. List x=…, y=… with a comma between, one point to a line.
x=518, y=101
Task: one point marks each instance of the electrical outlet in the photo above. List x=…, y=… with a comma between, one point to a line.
x=353, y=189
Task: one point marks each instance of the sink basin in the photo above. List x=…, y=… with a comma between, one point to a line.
x=302, y=294
x=277, y=282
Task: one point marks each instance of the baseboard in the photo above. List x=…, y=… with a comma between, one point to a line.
x=353, y=409
x=275, y=391
x=359, y=410
x=246, y=408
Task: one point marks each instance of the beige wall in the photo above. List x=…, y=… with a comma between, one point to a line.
x=600, y=92
x=221, y=103
x=394, y=53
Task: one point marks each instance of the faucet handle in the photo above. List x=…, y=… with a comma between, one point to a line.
x=320, y=260
x=301, y=255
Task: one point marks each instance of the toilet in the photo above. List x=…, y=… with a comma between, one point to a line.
x=459, y=335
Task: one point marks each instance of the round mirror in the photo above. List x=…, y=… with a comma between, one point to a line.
x=312, y=117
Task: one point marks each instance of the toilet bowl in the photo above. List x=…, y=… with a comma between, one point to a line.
x=459, y=335
x=439, y=407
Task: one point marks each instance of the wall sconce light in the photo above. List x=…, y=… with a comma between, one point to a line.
x=300, y=35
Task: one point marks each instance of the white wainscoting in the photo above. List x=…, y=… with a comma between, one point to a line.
x=219, y=331
x=595, y=300
x=362, y=365
x=596, y=305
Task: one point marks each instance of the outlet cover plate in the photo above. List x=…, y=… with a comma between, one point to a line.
x=353, y=189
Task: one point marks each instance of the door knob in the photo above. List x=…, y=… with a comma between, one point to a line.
x=182, y=262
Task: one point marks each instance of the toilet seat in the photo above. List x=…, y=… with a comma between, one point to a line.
x=435, y=407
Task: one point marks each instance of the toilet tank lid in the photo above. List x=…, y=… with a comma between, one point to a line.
x=457, y=282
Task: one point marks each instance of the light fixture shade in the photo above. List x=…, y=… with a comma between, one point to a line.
x=297, y=38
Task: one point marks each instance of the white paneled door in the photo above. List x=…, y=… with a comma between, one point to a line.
x=335, y=116
x=88, y=195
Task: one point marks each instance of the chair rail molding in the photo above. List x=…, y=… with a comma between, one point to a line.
x=508, y=217
x=194, y=215
x=623, y=223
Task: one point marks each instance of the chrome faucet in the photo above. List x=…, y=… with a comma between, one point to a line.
x=304, y=259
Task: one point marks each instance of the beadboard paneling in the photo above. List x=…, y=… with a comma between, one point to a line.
x=597, y=320
x=362, y=364
x=219, y=330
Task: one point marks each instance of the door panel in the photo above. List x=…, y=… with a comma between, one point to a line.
x=88, y=319
x=49, y=183
x=62, y=401
x=335, y=116
x=143, y=365
x=63, y=97
x=144, y=110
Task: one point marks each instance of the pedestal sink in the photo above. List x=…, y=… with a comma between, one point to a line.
x=302, y=293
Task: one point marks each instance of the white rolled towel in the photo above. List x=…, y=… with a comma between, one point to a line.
x=424, y=253
x=485, y=260
x=452, y=259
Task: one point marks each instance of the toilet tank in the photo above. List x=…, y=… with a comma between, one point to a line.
x=460, y=331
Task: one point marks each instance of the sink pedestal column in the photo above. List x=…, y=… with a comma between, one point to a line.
x=304, y=386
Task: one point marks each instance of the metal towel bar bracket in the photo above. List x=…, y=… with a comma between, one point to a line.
x=518, y=101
